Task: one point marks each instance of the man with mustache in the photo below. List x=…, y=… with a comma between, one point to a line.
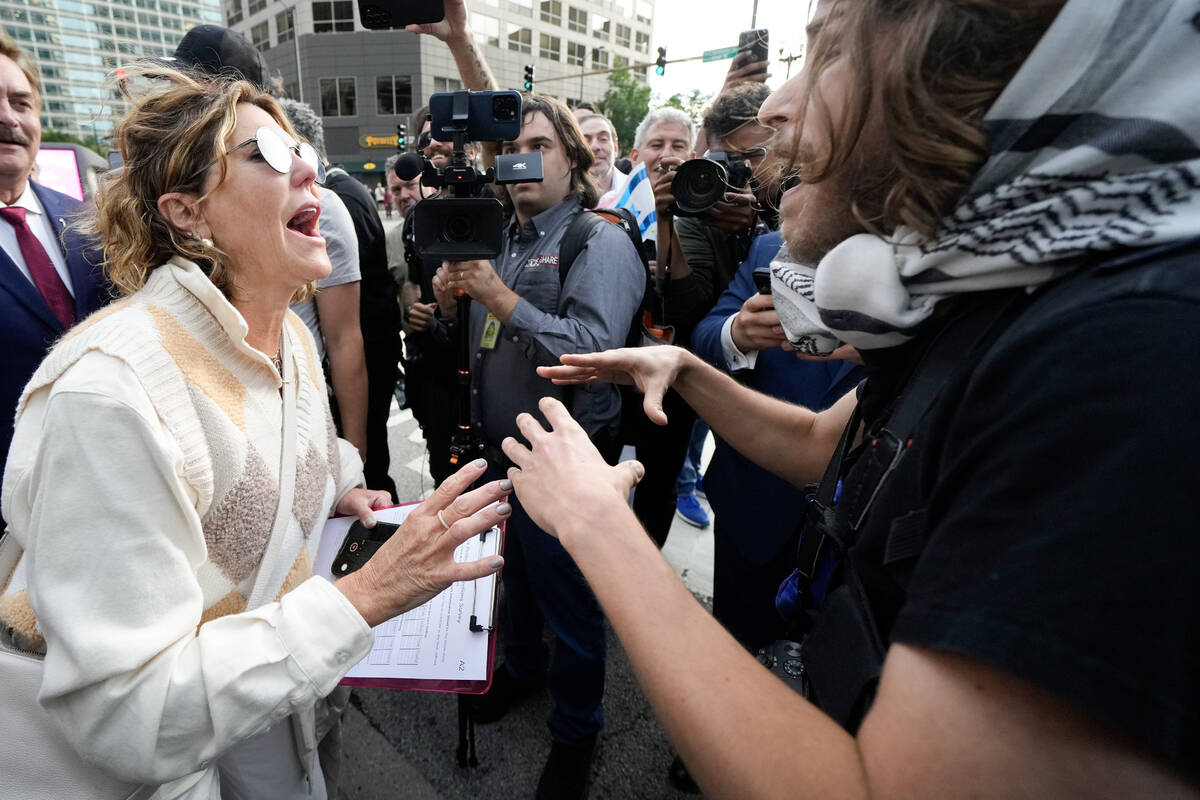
x=49, y=274
x=996, y=583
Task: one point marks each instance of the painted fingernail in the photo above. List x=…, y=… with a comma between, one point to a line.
x=504, y=509
x=505, y=485
x=496, y=563
x=480, y=463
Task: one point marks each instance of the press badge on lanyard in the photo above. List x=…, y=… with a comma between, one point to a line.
x=491, y=332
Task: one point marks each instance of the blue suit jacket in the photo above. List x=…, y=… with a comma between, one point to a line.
x=764, y=508
x=27, y=325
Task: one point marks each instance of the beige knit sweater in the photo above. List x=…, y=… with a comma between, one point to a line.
x=142, y=484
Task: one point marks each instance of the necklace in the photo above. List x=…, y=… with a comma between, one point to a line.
x=277, y=359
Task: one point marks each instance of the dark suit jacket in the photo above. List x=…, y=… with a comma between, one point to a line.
x=27, y=325
x=767, y=509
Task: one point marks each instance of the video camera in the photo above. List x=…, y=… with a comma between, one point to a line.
x=701, y=182
x=468, y=225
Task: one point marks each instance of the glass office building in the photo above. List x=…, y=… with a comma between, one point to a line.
x=363, y=83
x=77, y=43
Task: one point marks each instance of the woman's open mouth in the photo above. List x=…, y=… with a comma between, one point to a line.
x=306, y=222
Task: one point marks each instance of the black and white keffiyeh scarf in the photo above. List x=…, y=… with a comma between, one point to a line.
x=1094, y=148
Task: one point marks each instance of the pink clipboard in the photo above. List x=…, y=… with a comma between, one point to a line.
x=459, y=686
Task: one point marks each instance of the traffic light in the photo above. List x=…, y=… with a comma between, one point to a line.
x=529, y=77
x=661, y=64
x=401, y=137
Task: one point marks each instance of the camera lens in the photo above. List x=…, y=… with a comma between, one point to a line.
x=697, y=185
x=458, y=228
x=504, y=107
x=703, y=183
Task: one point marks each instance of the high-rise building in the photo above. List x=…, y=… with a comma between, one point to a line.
x=363, y=83
x=77, y=43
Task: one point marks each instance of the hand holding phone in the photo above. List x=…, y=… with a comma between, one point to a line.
x=756, y=325
x=755, y=43
x=750, y=63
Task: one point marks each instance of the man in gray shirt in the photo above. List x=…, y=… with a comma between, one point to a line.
x=523, y=318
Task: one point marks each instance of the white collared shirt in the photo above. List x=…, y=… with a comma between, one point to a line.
x=39, y=223
x=735, y=359
x=610, y=198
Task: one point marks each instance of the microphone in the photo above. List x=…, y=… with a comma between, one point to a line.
x=408, y=166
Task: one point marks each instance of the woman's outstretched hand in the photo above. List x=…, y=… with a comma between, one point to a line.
x=417, y=562
x=561, y=477
x=651, y=369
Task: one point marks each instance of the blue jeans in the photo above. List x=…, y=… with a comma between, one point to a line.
x=543, y=586
x=685, y=484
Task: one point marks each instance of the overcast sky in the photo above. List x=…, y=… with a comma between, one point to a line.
x=689, y=27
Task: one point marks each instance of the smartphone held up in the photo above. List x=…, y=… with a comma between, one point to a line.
x=385, y=14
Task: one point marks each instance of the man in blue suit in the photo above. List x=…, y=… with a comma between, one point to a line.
x=50, y=275
x=757, y=512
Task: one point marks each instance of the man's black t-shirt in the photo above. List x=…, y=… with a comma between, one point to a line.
x=378, y=311
x=1052, y=492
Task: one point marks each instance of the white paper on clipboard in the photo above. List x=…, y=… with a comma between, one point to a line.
x=433, y=641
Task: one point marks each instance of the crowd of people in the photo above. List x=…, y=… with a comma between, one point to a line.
x=950, y=488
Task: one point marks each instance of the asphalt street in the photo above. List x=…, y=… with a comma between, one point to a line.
x=401, y=744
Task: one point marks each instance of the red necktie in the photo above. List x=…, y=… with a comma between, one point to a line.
x=41, y=268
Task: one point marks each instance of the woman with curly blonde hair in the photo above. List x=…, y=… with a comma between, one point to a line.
x=173, y=465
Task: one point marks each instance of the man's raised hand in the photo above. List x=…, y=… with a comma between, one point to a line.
x=651, y=369
x=743, y=70
x=561, y=478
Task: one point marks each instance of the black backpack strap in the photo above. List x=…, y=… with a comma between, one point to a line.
x=937, y=367
x=573, y=241
x=818, y=526
x=968, y=333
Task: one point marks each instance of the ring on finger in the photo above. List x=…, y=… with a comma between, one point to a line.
x=445, y=525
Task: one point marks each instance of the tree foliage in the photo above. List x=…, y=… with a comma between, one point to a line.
x=692, y=104
x=91, y=142
x=626, y=103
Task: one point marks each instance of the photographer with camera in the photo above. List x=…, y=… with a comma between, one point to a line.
x=429, y=355
x=524, y=316
x=708, y=214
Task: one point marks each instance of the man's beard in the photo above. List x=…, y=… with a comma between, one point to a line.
x=827, y=217
x=440, y=154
